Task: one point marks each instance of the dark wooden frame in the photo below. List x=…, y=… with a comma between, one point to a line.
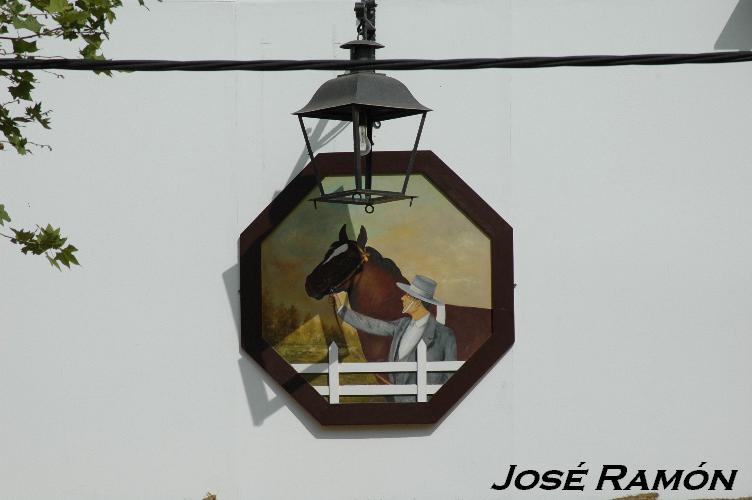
x=502, y=292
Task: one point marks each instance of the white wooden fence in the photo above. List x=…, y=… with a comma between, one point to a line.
x=421, y=367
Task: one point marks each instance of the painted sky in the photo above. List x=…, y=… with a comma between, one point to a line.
x=432, y=238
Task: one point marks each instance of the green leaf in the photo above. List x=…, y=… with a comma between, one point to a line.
x=20, y=46
x=19, y=143
x=66, y=257
x=22, y=236
x=57, y=6
x=24, y=81
x=26, y=240
x=46, y=241
x=73, y=18
x=35, y=113
x=49, y=238
x=53, y=262
x=4, y=217
x=27, y=22
x=21, y=91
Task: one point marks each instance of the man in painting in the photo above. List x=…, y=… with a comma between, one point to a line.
x=406, y=332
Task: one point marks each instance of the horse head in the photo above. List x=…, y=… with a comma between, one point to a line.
x=341, y=263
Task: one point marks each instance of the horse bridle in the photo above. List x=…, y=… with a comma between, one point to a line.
x=363, y=259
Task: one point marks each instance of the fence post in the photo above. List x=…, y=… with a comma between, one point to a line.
x=422, y=373
x=333, y=373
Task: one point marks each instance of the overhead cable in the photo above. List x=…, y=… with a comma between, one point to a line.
x=383, y=64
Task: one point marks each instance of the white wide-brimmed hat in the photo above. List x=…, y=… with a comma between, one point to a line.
x=422, y=287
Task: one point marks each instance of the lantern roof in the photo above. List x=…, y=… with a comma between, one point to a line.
x=383, y=97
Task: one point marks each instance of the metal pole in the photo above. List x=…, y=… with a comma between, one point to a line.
x=356, y=143
x=369, y=157
x=412, y=155
x=310, y=154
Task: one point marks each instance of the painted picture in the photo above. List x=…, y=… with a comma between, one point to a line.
x=380, y=307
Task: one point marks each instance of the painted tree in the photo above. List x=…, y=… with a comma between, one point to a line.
x=24, y=26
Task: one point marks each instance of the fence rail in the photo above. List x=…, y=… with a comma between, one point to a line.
x=421, y=367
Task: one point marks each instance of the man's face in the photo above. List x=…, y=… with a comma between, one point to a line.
x=409, y=303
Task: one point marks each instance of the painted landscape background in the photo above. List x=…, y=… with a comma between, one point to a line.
x=432, y=238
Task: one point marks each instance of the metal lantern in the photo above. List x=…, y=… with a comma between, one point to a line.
x=366, y=99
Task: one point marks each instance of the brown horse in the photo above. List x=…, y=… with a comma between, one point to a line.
x=370, y=282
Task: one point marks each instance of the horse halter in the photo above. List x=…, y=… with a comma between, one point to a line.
x=364, y=255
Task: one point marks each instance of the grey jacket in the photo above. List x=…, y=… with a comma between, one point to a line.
x=441, y=344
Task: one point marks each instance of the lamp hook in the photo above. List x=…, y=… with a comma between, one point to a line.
x=365, y=12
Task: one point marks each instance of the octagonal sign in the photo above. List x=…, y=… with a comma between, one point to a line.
x=387, y=317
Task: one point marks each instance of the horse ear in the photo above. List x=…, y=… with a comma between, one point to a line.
x=362, y=237
x=343, y=233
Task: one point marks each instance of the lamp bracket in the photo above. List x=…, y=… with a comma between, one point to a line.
x=365, y=12
x=366, y=197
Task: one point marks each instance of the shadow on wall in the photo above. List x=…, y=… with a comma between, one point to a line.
x=737, y=34
x=319, y=137
x=231, y=279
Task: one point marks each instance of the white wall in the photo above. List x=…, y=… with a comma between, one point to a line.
x=628, y=190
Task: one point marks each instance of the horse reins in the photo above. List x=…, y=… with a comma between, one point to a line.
x=363, y=259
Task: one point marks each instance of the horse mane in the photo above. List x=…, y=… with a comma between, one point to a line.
x=384, y=262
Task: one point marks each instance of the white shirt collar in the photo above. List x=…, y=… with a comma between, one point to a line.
x=422, y=321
